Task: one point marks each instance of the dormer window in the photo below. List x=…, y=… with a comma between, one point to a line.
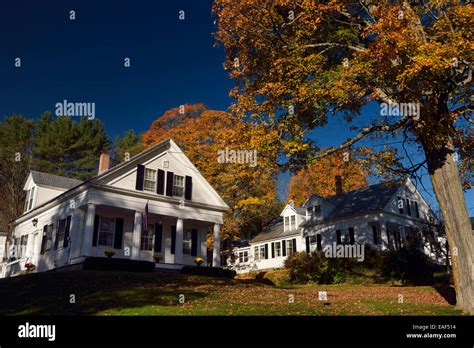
x=317, y=210
x=29, y=199
x=290, y=223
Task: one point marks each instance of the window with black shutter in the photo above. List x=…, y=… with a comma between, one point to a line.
x=169, y=184
x=140, y=177
x=188, y=188
x=307, y=245
x=158, y=237
x=266, y=251
x=294, y=245
x=338, y=236
x=318, y=242
x=194, y=242
x=417, y=212
x=118, y=237
x=273, y=250
x=283, y=247
x=66, y=232
x=160, y=186
x=351, y=235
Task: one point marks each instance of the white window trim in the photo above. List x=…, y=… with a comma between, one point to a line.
x=113, y=232
x=149, y=180
x=176, y=186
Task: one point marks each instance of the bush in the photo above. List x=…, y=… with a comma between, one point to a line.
x=303, y=268
x=409, y=265
x=110, y=264
x=209, y=271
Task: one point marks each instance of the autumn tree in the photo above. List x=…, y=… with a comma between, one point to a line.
x=297, y=63
x=248, y=188
x=126, y=147
x=318, y=177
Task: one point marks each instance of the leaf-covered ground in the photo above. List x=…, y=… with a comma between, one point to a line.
x=121, y=293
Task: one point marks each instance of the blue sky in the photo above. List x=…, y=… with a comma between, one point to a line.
x=173, y=62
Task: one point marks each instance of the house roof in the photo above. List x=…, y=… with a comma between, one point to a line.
x=300, y=210
x=54, y=180
x=370, y=199
x=273, y=231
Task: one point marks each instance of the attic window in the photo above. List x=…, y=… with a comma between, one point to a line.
x=317, y=210
x=29, y=199
x=178, y=185
x=149, y=184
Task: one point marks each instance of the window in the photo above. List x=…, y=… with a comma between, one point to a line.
x=47, y=238
x=61, y=232
x=315, y=243
x=178, y=185
x=277, y=249
x=146, y=241
x=32, y=194
x=106, y=232
x=243, y=256
x=417, y=212
x=377, y=235
x=408, y=207
x=23, y=244
x=287, y=223
x=262, y=252
x=149, y=184
x=400, y=204
x=255, y=253
x=29, y=199
x=187, y=241
x=293, y=222
x=289, y=247
x=317, y=210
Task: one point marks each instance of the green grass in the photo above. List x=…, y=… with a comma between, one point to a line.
x=123, y=293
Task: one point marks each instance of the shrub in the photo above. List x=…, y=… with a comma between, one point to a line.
x=303, y=268
x=209, y=271
x=409, y=265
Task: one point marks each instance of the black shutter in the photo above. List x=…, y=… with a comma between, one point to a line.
x=158, y=237
x=173, y=239
x=273, y=250
x=194, y=242
x=338, y=236
x=294, y=245
x=283, y=248
x=66, y=232
x=96, y=230
x=188, y=188
x=266, y=251
x=169, y=184
x=56, y=239
x=44, y=241
x=307, y=245
x=160, y=186
x=374, y=232
x=351, y=235
x=318, y=242
x=140, y=177
x=118, y=233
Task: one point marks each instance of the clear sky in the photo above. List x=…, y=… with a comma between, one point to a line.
x=173, y=62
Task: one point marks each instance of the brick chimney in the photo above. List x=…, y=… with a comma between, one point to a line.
x=339, y=191
x=104, y=163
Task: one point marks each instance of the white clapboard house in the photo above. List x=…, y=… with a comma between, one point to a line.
x=381, y=215
x=66, y=220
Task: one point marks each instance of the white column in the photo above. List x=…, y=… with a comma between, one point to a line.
x=178, y=248
x=88, y=230
x=216, y=254
x=203, y=245
x=137, y=232
x=383, y=234
x=75, y=233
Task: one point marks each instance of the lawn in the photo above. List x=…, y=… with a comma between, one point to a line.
x=123, y=293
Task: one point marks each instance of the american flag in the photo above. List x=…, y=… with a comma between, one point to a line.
x=145, y=217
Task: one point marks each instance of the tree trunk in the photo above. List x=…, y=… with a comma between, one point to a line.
x=444, y=174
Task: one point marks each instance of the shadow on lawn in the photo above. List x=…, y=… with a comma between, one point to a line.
x=94, y=291
x=448, y=293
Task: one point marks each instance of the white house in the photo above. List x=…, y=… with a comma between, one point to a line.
x=381, y=215
x=66, y=220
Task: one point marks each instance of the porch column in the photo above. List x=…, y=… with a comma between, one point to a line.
x=75, y=233
x=216, y=254
x=88, y=230
x=37, y=247
x=383, y=234
x=137, y=232
x=203, y=245
x=178, y=249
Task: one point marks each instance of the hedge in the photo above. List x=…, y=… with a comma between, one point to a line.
x=111, y=264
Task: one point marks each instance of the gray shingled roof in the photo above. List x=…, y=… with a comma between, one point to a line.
x=370, y=199
x=273, y=231
x=300, y=210
x=54, y=180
